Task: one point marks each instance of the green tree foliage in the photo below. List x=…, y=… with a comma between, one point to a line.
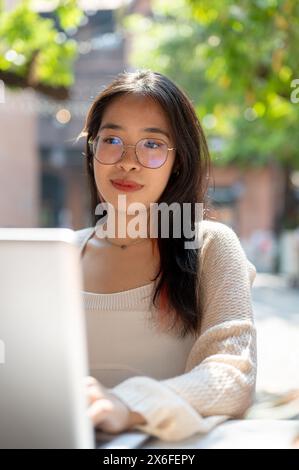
x=237, y=61
x=36, y=51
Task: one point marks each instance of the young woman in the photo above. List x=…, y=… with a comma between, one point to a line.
x=171, y=335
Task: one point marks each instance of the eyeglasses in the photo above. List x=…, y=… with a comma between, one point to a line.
x=150, y=153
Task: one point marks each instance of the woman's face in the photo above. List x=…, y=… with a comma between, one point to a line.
x=132, y=114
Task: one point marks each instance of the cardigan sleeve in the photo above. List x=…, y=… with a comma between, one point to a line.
x=219, y=379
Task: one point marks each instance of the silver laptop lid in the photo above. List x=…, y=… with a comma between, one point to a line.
x=43, y=341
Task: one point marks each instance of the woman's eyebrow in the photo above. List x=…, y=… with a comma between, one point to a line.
x=153, y=130
x=156, y=130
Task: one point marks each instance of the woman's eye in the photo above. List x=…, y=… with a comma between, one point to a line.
x=111, y=140
x=152, y=144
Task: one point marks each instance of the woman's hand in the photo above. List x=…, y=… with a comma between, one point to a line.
x=107, y=411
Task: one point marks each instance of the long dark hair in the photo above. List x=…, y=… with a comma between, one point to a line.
x=177, y=289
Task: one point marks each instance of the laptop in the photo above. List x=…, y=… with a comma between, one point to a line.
x=43, y=350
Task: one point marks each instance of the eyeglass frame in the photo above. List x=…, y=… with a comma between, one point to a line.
x=91, y=142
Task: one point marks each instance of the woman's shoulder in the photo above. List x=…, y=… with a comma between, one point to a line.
x=213, y=233
x=220, y=244
x=82, y=234
x=214, y=227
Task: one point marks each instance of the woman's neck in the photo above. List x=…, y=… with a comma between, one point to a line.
x=122, y=229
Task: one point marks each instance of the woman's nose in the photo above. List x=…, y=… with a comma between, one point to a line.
x=129, y=159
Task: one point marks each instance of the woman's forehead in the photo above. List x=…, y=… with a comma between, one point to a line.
x=132, y=103
x=139, y=110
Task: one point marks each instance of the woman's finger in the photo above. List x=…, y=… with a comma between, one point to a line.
x=92, y=382
x=89, y=381
x=99, y=410
x=94, y=393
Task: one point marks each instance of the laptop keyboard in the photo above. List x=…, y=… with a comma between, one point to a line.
x=126, y=440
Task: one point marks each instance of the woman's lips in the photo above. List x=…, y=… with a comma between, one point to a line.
x=126, y=185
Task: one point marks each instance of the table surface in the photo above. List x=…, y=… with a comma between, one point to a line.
x=232, y=434
x=239, y=434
